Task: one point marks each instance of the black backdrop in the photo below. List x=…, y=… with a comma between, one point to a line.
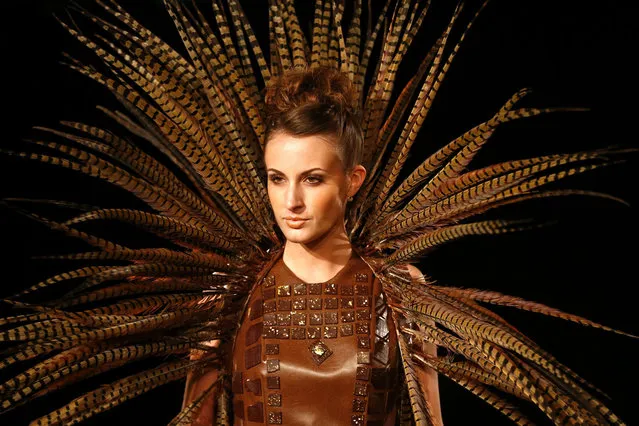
x=571, y=53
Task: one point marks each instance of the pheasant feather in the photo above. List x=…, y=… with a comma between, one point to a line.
x=189, y=147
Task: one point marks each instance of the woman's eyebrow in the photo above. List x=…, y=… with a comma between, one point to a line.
x=270, y=169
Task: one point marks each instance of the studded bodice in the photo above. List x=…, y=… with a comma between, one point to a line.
x=316, y=353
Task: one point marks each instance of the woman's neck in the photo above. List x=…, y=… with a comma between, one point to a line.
x=319, y=261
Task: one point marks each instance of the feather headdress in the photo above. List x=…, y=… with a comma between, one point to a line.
x=188, y=149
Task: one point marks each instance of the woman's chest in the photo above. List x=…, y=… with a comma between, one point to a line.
x=320, y=353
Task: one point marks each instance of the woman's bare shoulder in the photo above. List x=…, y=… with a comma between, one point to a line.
x=415, y=273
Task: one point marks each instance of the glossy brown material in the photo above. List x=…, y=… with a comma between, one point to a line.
x=327, y=351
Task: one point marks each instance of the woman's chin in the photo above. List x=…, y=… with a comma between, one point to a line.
x=300, y=236
x=295, y=236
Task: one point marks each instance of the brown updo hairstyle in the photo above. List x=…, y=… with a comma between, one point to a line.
x=319, y=101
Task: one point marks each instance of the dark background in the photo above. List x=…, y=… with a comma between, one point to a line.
x=571, y=53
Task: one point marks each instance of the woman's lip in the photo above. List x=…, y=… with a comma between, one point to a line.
x=295, y=223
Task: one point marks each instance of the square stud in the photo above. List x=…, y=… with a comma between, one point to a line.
x=359, y=405
x=330, y=288
x=315, y=303
x=360, y=389
x=283, y=333
x=284, y=319
x=363, y=357
x=346, y=303
x=330, y=332
x=362, y=328
x=272, y=349
x=361, y=289
x=270, y=306
x=315, y=288
x=315, y=318
x=363, y=342
x=284, y=290
x=346, y=290
x=269, y=281
x=299, y=289
x=363, y=373
x=273, y=382
x=319, y=351
x=363, y=315
x=284, y=305
x=274, y=400
x=346, y=329
x=298, y=319
x=357, y=420
x=270, y=320
x=330, y=317
x=270, y=332
x=299, y=304
x=268, y=293
x=298, y=333
x=272, y=365
x=313, y=332
x=331, y=303
x=275, y=418
x=348, y=316
x=361, y=278
x=362, y=301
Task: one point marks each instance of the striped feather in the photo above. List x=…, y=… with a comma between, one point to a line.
x=108, y=396
x=420, y=407
x=203, y=113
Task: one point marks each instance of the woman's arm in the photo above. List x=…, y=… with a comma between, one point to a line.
x=198, y=381
x=428, y=376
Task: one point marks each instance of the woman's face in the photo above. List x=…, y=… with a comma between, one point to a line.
x=307, y=187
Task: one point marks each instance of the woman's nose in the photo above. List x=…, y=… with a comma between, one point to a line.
x=294, y=197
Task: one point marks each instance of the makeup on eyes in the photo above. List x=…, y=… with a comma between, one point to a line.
x=275, y=176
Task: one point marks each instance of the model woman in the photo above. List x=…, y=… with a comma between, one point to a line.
x=318, y=328
x=281, y=285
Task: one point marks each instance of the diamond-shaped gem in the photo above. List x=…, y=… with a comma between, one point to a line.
x=319, y=351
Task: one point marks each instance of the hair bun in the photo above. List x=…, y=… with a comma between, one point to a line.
x=322, y=85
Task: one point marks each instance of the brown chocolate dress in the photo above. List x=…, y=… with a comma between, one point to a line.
x=316, y=353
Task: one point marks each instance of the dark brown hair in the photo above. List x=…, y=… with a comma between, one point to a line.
x=318, y=101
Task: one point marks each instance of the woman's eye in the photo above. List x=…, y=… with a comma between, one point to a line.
x=275, y=178
x=313, y=179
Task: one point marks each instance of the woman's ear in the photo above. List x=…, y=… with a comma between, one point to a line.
x=356, y=177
